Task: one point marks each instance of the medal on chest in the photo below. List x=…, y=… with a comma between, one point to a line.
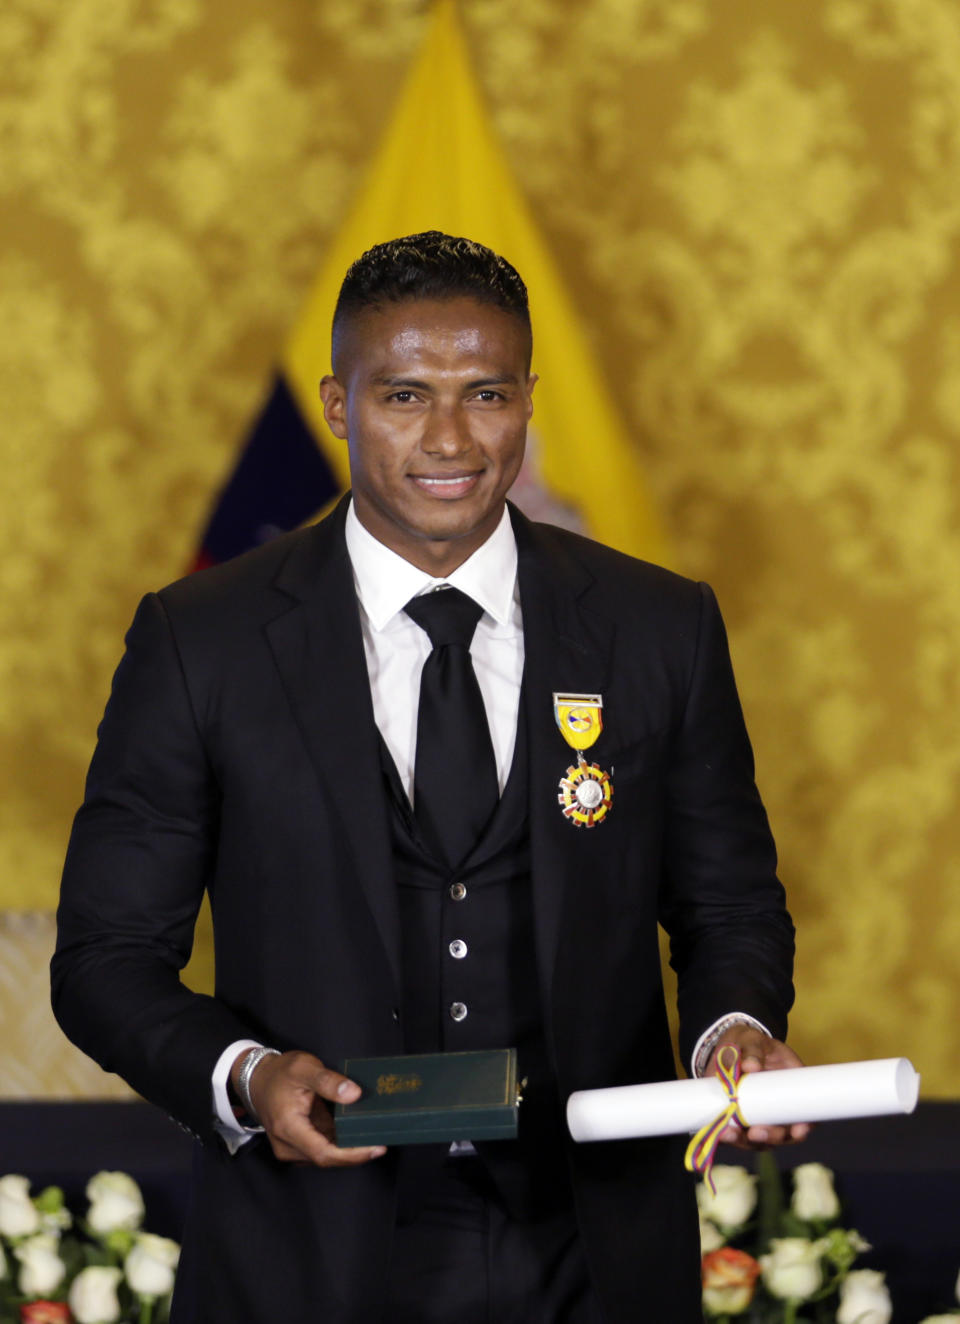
x=586, y=791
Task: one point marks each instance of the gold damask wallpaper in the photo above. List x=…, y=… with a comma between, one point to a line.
x=757, y=206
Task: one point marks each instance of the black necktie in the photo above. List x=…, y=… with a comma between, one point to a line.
x=455, y=786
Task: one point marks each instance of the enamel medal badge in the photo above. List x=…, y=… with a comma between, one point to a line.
x=586, y=791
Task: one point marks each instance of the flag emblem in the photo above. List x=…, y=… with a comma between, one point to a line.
x=579, y=718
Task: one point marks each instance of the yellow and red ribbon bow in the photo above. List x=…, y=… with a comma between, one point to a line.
x=702, y=1148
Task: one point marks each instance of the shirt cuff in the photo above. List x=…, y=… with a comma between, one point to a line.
x=712, y=1035
x=233, y=1133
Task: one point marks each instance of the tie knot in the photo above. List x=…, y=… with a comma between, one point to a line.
x=447, y=615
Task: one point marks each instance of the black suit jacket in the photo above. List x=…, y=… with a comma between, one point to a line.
x=238, y=752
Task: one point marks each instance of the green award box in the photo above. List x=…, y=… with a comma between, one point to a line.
x=429, y=1098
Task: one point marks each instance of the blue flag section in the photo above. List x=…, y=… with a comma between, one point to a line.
x=280, y=481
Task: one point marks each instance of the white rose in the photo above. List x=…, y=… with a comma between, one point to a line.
x=41, y=1268
x=735, y=1198
x=792, y=1270
x=93, y=1295
x=115, y=1202
x=864, y=1299
x=151, y=1265
x=814, y=1198
x=18, y=1214
x=711, y=1238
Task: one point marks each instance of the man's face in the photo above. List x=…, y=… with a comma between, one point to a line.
x=433, y=398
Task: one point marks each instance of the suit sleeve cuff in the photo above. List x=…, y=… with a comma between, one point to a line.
x=233, y=1133
x=712, y=1035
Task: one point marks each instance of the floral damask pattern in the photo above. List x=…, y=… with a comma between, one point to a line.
x=758, y=215
x=250, y=163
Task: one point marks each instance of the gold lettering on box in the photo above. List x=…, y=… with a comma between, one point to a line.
x=397, y=1084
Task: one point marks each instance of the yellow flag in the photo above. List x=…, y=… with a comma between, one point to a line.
x=440, y=167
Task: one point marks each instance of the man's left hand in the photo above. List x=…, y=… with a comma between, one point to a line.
x=758, y=1052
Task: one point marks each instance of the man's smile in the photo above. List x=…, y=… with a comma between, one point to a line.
x=455, y=485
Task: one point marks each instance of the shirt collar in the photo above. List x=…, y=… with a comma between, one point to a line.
x=385, y=582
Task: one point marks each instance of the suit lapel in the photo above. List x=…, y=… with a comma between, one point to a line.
x=318, y=648
x=567, y=647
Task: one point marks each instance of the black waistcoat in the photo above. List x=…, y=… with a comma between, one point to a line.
x=470, y=973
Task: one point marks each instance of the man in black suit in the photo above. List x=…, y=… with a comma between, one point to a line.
x=267, y=740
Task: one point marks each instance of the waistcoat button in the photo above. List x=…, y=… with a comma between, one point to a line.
x=458, y=1011
x=458, y=891
x=458, y=949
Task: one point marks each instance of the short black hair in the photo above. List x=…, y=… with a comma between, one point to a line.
x=431, y=265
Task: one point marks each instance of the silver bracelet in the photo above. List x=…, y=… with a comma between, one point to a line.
x=250, y=1064
x=710, y=1041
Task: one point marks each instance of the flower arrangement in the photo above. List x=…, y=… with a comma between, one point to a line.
x=769, y=1262
x=101, y=1270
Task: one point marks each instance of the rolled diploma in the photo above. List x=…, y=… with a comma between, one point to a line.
x=767, y=1098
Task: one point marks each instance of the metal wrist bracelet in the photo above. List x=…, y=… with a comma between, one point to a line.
x=717, y=1033
x=250, y=1064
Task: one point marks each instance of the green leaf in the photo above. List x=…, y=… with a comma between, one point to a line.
x=120, y=1243
x=50, y=1200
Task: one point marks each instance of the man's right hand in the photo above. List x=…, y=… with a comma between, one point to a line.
x=290, y=1094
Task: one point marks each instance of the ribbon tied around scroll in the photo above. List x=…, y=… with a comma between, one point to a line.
x=702, y=1148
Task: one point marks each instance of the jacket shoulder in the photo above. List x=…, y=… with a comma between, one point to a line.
x=617, y=577
x=258, y=581
x=241, y=576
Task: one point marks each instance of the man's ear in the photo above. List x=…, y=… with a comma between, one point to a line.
x=334, y=406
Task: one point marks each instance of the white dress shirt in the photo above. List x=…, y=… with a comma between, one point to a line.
x=396, y=649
